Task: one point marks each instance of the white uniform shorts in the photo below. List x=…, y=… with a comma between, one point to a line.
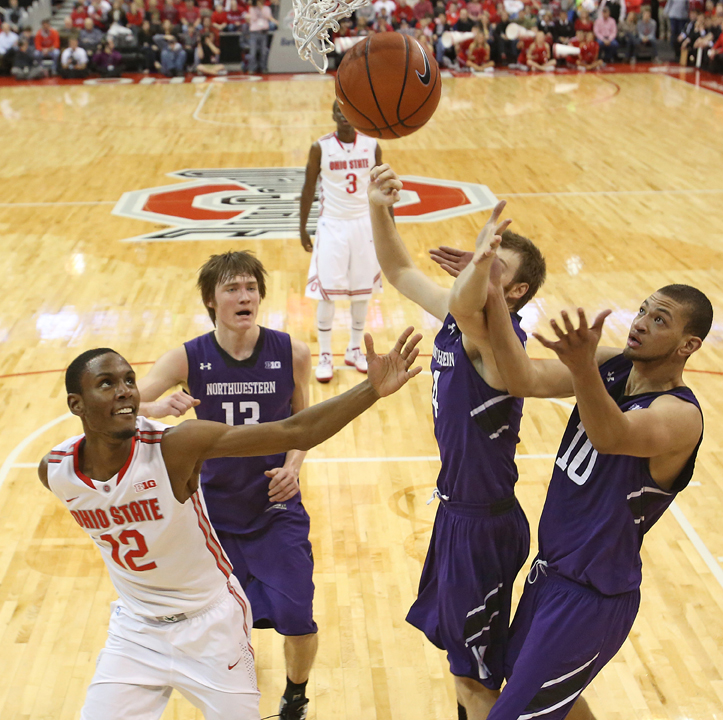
x=208, y=658
x=343, y=262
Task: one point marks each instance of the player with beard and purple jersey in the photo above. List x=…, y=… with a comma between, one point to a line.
x=481, y=536
x=244, y=374
x=629, y=448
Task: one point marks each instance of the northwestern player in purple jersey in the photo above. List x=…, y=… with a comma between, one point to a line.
x=629, y=448
x=244, y=374
x=481, y=537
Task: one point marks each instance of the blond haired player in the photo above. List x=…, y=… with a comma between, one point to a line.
x=343, y=261
x=182, y=620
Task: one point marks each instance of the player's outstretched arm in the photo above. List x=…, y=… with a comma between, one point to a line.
x=668, y=429
x=451, y=260
x=169, y=370
x=313, y=170
x=193, y=441
x=468, y=297
x=522, y=376
x=395, y=260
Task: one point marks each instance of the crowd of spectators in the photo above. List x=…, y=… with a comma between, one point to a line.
x=138, y=35
x=174, y=37
x=605, y=31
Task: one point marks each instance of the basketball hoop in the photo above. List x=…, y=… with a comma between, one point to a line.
x=312, y=21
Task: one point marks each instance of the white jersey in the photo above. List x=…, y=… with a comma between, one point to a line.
x=345, y=169
x=163, y=557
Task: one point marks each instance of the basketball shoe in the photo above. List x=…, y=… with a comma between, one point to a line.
x=293, y=709
x=325, y=369
x=356, y=358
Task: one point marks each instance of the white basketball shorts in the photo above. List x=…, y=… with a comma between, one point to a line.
x=207, y=658
x=343, y=262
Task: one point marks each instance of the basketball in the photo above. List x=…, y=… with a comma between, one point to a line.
x=387, y=86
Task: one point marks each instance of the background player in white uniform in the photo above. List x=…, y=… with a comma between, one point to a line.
x=182, y=619
x=343, y=261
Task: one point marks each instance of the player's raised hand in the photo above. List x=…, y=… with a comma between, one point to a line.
x=175, y=405
x=451, y=260
x=384, y=186
x=575, y=348
x=490, y=236
x=387, y=373
x=284, y=484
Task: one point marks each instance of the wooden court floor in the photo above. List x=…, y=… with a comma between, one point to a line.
x=619, y=178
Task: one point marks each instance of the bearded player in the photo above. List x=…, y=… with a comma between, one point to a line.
x=182, y=620
x=343, y=262
x=481, y=536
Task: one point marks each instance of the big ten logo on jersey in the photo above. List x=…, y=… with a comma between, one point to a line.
x=572, y=464
x=145, y=485
x=273, y=365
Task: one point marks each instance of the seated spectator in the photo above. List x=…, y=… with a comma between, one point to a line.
x=90, y=37
x=66, y=32
x=8, y=46
x=526, y=19
x=78, y=16
x=149, y=51
x=627, y=34
x=47, y=44
x=583, y=21
x=261, y=23
x=443, y=55
x=589, y=52
x=219, y=21
x=504, y=50
x=151, y=7
x=715, y=55
x=25, y=66
x=545, y=23
x=389, y=5
x=404, y=12
x=189, y=12
x=173, y=54
x=15, y=16
x=562, y=29
x=677, y=12
x=452, y=13
x=207, y=56
x=615, y=7
x=464, y=23
x=367, y=12
x=382, y=22
x=107, y=61
x=74, y=60
x=404, y=29
x=207, y=28
x=189, y=36
x=491, y=8
x=697, y=40
x=663, y=21
x=424, y=40
x=99, y=11
x=645, y=32
x=235, y=19
x=362, y=28
x=606, y=32
x=422, y=9
x=474, y=8
x=134, y=15
x=539, y=55
x=169, y=12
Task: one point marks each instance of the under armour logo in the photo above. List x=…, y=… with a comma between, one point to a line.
x=205, y=366
x=635, y=407
x=452, y=327
x=610, y=378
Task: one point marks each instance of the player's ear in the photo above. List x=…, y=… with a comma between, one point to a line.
x=75, y=404
x=518, y=290
x=689, y=346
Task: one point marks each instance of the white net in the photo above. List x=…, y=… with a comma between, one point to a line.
x=313, y=19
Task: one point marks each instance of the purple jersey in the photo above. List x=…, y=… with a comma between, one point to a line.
x=598, y=507
x=475, y=425
x=241, y=392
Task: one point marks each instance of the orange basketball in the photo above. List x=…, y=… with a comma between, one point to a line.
x=387, y=86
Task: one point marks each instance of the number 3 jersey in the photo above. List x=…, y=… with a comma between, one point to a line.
x=476, y=426
x=162, y=555
x=598, y=507
x=345, y=169
x=242, y=392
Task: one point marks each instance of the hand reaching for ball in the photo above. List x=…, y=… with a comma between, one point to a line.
x=384, y=186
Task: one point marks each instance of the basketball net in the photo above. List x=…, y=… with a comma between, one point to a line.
x=312, y=21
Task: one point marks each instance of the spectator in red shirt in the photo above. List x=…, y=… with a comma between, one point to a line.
x=218, y=19
x=205, y=5
x=47, y=44
x=99, y=12
x=189, y=12
x=404, y=12
x=362, y=28
x=78, y=15
x=382, y=24
x=134, y=16
x=489, y=6
x=474, y=8
x=583, y=21
x=452, y=13
x=423, y=8
x=169, y=12
x=234, y=17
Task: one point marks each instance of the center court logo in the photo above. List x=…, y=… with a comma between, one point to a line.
x=264, y=203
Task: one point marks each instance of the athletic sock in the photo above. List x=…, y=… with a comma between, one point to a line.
x=295, y=691
x=324, y=321
x=461, y=712
x=358, y=319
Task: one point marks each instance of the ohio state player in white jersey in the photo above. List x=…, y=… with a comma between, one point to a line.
x=182, y=620
x=343, y=261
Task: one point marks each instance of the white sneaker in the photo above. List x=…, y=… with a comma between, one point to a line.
x=325, y=369
x=356, y=358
